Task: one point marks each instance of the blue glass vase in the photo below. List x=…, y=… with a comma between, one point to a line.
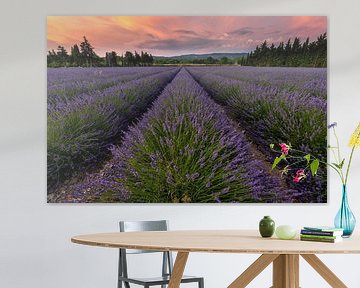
x=345, y=219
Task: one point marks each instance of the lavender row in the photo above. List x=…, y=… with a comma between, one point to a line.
x=184, y=149
x=270, y=115
x=92, y=97
x=79, y=137
x=66, y=75
x=308, y=81
x=67, y=83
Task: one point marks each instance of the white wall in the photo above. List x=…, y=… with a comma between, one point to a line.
x=35, y=248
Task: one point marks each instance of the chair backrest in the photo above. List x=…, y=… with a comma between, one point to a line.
x=137, y=226
x=133, y=226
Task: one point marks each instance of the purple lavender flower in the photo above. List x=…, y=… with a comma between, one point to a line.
x=332, y=125
x=275, y=105
x=205, y=142
x=186, y=131
x=81, y=126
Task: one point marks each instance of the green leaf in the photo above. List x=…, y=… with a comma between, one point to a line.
x=307, y=157
x=285, y=170
x=314, y=167
x=277, y=161
x=339, y=166
x=342, y=163
x=336, y=165
x=271, y=146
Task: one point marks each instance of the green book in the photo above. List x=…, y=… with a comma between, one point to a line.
x=319, y=236
x=325, y=240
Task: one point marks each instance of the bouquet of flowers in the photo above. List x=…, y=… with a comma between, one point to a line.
x=344, y=219
x=311, y=164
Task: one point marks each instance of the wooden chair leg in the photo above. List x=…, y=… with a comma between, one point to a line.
x=178, y=269
x=324, y=271
x=253, y=270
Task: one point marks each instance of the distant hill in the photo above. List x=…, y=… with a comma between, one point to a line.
x=191, y=57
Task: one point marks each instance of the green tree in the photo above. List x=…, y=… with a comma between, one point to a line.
x=62, y=56
x=287, y=48
x=51, y=58
x=75, y=56
x=129, y=59
x=88, y=53
x=224, y=60
x=308, y=54
x=137, y=59
x=111, y=59
x=321, y=50
x=210, y=60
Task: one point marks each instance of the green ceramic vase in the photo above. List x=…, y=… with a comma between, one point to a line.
x=267, y=227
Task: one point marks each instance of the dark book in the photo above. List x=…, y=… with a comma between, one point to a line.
x=323, y=228
x=321, y=233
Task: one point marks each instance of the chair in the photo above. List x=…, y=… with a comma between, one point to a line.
x=167, y=265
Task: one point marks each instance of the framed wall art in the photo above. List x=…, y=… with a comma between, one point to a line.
x=185, y=109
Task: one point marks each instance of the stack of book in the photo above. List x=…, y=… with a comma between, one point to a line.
x=321, y=234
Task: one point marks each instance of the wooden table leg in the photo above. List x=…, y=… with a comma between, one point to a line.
x=293, y=262
x=286, y=271
x=324, y=271
x=178, y=269
x=253, y=270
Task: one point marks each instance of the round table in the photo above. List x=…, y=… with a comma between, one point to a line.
x=284, y=254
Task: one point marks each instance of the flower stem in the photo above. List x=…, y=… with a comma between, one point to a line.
x=338, y=145
x=322, y=162
x=351, y=156
x=339, y=161
x=348, y=167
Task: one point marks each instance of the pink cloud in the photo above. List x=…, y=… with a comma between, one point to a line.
x=173, y=35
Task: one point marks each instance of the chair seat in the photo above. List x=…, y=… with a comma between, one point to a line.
x=158, y=280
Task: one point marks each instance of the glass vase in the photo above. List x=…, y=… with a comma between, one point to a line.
x=345, y=219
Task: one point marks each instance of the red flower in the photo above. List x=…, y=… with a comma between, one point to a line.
x=300, y=175
x=284, y=148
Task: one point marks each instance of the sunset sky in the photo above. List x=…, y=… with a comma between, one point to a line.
x=176, y=35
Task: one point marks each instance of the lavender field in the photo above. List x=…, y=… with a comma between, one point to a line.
x=196, y=134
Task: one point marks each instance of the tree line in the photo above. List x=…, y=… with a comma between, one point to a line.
x=84, y=55
x=293, y=54
x=202, y=61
